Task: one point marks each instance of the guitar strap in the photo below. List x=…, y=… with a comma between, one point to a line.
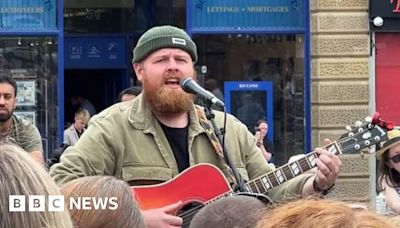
x=216, y=144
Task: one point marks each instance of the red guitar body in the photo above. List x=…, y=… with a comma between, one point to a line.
x=199, y=183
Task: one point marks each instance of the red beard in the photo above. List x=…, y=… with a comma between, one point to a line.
x=164, y=100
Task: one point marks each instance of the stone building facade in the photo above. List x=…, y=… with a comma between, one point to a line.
x=340, y=77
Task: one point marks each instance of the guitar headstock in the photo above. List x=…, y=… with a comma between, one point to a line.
x=365, y=134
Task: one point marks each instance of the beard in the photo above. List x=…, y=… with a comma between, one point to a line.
x=6, y=116
x=165, y=100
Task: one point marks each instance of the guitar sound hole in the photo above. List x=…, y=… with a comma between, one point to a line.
x=188, y=212
x=190, y=206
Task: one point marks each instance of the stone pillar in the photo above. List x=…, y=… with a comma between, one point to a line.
x=340, y=49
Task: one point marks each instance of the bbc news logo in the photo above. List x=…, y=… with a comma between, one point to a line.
x=19, y=203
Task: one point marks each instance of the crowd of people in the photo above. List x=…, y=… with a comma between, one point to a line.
x=154, y=139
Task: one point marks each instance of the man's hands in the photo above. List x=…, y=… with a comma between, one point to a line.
x=328, y=168
x=163, y=217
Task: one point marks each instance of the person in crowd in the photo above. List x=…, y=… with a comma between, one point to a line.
x=315, y=212
x=21, y=176
x=162, y=133
x=261, y=139
x=129, y=93
x=74, y=132
x=389, y=171
x=81, y=102
x=120, y=208
x=15, y=128
x=235, y=211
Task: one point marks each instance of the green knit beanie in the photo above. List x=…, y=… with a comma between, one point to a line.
x=165, y=36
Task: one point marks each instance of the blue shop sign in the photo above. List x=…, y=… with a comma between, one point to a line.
x=247, y=15
x=29, y=15
x=94, y=53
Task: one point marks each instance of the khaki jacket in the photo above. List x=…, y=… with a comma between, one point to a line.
x=126, y=141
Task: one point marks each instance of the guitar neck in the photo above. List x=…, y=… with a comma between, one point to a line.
x=288, y=171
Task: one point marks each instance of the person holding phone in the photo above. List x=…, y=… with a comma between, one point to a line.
x=261, y=139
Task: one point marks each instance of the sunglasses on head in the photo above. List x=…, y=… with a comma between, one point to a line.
x=396, y=158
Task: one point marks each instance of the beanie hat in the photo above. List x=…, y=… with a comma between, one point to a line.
x=165, y=36
x=393, y=140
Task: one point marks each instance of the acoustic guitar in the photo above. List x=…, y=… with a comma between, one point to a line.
x=204, y=183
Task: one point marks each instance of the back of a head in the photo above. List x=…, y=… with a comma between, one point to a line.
x=314, y=212
x=133, y=91
x=21, y=175
x=368, y=219
x=395, y=221
x=231, y=212
x=126, y=214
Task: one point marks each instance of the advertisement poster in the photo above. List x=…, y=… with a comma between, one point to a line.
x=26, y=95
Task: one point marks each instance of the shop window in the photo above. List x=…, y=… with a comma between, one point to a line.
x=275, y=58
x=387, y=75
x=32, y=62
x=121, y=16
x=90, y=16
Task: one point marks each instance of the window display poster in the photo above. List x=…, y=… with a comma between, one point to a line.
x=26, y=94
x=27, y=115
x=250, y=101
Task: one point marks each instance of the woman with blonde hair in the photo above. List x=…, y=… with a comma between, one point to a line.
x=21, y=175
x=316, y=212
x=121, y=210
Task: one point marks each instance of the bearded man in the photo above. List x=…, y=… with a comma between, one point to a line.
x=15, y=129
x=160, y=134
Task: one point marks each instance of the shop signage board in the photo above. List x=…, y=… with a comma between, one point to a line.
x=246, y=15
x=32, y=15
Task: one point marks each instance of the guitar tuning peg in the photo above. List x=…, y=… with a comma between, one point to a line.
x=358, y=123
x=368, y=119
x=348, y=128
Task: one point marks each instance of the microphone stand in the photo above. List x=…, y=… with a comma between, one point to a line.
x=210, y=116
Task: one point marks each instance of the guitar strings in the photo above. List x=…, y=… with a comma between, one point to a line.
x=304, y=164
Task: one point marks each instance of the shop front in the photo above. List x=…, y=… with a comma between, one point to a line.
x=247, y=51
x=258, y=54
x=31, y=40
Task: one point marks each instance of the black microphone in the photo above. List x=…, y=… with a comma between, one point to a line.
x=191, y=86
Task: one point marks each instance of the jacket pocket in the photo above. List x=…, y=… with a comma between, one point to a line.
x=131, y=172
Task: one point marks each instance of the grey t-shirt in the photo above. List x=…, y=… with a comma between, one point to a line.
x=25, y=134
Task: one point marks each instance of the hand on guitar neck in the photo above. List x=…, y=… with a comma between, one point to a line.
x=328, y=168
x=164, y=216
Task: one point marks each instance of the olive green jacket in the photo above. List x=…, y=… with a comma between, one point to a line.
x=126, y=141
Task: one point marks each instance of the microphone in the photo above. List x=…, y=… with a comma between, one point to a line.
x=191, y=86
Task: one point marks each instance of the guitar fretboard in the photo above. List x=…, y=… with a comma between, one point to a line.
x=284, y=173
x=288, y=171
